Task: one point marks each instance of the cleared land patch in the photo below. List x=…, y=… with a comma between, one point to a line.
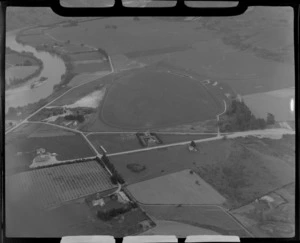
x=53, y=186
x=184, y=187
x=142, y=100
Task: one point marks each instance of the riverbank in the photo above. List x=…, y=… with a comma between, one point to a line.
x=15, y=83
x=22, y=100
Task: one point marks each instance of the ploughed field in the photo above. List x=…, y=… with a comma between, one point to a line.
x=142, y=100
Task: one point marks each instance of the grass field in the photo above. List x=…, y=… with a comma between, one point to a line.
x=238, y=173
x=205, y=46
x=19, y=72
x=36, y=40
x=20, y=147
x=177, y=188
x=92, y=67
x=53, y=186
x=180, y=230
x=17, y=59
x=90, y=55
x=278, y=220
x=143, y=100
x=207, y=217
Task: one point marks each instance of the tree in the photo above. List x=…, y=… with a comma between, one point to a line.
x=270, y=119
x=193, y=144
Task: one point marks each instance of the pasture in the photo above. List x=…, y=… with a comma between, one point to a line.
x=142, y=100
x=19, y=72
x=238, y=173
x=206, y=46
x=184, y=187
x=20, y=147
x=92, y=67
x=206, y=217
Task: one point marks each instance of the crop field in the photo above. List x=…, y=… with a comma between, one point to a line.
x=239, y=174
x=176, y=188
x=207, y=217
x=53, y=186
x=142, y=100
x=92, y=67
x=20, y=148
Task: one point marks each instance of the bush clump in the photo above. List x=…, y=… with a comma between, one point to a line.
x=136, y=167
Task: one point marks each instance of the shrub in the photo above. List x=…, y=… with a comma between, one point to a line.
x=114, y=179
x=136, y=167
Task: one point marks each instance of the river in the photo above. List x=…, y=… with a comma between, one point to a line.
x=53, y=68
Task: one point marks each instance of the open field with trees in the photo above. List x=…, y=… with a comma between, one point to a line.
x=238, y=173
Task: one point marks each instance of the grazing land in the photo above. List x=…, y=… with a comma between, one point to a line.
x=207, y=217
x=181, y=230
x=271, y=215
x=143, y=100
x=92, y=67
x=168, y=80
x=184, y=187
x=238, y=173
x=21, y=146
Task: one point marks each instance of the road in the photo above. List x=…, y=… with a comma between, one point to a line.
x=266, y=132
x=218, y=116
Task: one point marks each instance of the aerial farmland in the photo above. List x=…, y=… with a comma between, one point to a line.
x=150, y=125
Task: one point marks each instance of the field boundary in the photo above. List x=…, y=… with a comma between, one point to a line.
x=192, y=205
